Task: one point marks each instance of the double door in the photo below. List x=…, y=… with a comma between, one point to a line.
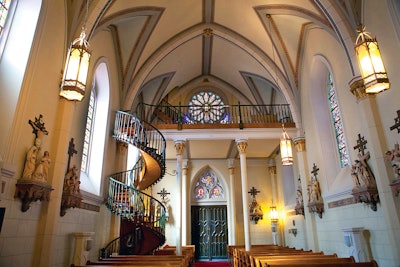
x=209, y=232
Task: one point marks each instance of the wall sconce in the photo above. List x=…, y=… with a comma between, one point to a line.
x=76, y=69
x=273, y=214
x=370, y=62
x=286, y=148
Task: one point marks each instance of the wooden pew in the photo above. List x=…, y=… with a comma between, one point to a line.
x=338, y=264
x=173, y=260
x=256, y=260
x=304, y=261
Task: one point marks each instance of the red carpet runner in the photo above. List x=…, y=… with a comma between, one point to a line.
x=212, y=264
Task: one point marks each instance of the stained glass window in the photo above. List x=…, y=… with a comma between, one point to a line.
x=337, y=123
x=4, y=8
x=207, y=107
x=88, y=133
x=208, y=187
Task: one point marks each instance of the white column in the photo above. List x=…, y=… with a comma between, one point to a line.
x=179, y=146
x=311, y=230
x=232, y=209
x=184, y=202
x=242, y=145
x=274, y=224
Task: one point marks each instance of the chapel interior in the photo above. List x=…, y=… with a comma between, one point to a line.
x=132, y=125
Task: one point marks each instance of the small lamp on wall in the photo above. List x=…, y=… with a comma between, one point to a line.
x=286, y=148
x=273, y=213
x=369, y=59
x=76, y=68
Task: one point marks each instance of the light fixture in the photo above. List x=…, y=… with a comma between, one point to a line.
x=73, y=84
x=286, y=148
x=273, y=214
x=370, y=62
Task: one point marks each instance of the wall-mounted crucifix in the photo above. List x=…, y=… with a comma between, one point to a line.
x=361, y=144
x=396, y=123
x=253, y=192
x=164, y=193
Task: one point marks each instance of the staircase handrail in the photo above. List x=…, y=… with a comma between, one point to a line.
x=136, y=203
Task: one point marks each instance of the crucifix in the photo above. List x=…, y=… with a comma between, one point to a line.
x=396, y=123
x=71, y=151
x=163, y=193
x=253, y=191
x=361, y=144
x=315, y=170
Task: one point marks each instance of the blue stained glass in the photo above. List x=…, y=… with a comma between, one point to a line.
x=337, y=123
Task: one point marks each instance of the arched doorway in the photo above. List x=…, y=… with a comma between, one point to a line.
x=209, y=216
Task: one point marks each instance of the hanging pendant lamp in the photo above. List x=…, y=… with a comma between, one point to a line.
x=286, y=148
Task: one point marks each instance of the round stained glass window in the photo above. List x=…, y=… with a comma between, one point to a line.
x=206, y=107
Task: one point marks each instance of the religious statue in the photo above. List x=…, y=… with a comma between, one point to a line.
x=361, y=173
x=30, y=161
x=393, y=156
x=42, y=169
x=315, y=192
x=71, y=181
x=299, y=208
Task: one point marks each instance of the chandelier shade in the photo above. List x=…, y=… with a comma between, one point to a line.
x=286, y=148
x=371, y=65
x=76, y=69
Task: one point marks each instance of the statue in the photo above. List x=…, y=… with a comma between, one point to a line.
x=30, y=162
x=361, y=173
x=42, y=170
x=315, y=193
x=394, y=157
x=71, y=181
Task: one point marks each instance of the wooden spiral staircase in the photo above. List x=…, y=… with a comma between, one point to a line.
x=142, y=216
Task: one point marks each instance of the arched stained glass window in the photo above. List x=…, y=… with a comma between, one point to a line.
x=88, y=132
x=337, y=124
x=208, y=187
x=207, y=107
x=4, y=9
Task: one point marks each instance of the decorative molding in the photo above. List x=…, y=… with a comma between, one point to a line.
x=342, y=202
x=88, y=206
x=357, y=87
x=299, y=144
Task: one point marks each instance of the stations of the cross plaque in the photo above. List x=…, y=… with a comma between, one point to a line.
x=71, y=151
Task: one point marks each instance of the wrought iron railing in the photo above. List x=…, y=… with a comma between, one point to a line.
x=226, y=114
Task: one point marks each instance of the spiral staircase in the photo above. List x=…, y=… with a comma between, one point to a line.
x=142, y=216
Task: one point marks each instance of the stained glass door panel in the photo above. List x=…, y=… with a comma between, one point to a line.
x=209, y=232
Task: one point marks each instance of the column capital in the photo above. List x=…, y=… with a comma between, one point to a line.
x=122, y=146
x=241, y=144
x=357, y=88
x=179, y=146
x=299, y=143
x=272, y=170
x=231, y=163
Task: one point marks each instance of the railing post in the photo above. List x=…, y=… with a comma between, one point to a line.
x=240, y=117
x=179, y=117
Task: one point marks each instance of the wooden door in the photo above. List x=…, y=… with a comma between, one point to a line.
x=209, y=232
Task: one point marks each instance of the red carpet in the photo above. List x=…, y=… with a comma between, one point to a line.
x=212, y=264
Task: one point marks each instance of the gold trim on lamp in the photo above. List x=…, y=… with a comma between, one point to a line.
x=371, y=65
x=286, y=148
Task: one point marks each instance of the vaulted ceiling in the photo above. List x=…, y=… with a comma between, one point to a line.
x=251, y=49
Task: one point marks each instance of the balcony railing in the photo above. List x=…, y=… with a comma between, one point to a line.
x=229, y=116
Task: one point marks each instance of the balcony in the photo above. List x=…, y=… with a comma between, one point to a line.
x=169, y=117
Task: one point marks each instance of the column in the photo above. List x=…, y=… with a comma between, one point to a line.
x=179, y=147
x=311, y=234
x=374, y=134
x=242, y=145
x=185, y=205
x=232, y=221
x=274, y=223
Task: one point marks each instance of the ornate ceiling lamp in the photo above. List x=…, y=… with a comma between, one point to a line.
x=369, y=58
x=73, y=84
x=286, y=148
